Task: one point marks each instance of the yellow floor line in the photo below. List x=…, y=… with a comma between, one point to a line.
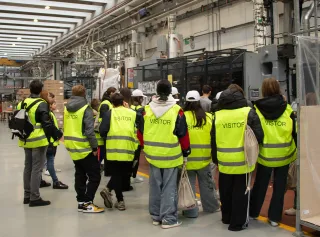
x=260, y=218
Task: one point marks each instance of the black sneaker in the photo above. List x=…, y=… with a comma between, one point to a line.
x=80, y=206
x=26, y=200
x=59, y=185
x=39, y=203
x=44, y=184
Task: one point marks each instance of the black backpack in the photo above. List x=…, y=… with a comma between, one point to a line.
x=20, y=124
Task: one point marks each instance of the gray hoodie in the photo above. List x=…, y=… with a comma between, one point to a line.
x=74, y=104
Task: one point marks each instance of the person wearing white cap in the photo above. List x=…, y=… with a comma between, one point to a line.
x=175, y=93
x=137, y=99
x=199, y=126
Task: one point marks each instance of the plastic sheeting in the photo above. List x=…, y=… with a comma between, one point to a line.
x=107, y=78
x=309, y=129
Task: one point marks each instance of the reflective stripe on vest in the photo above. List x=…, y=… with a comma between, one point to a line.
x=37, y=138
x=55, y=143
x=161, y=146
x=230, y=128
x=99, y=138
x=278, y=148
x=122, y=147
x=135, y=108
x=76, y=143
x=200, y=142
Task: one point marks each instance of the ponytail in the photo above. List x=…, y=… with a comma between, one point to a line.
x=199, y=114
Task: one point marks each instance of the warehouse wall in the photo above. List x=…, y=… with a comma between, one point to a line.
x=237, y=19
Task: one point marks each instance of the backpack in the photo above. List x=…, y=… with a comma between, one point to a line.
x=20, y=124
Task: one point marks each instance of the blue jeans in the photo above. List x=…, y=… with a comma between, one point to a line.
x=50, y=163
x=207, y=188
x=163, y=195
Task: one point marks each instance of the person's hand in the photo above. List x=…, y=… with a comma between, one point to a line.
x=95, y=153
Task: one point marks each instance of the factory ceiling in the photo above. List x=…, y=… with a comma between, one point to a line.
x=29, y=27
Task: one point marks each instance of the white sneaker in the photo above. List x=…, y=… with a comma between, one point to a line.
x=168, y=226
x=47, y=173
x=290, y=212
x=156, y=223
x=136, y=180
x=274, y=224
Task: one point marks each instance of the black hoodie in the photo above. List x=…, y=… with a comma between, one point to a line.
x=273, y=107
x=230, y=100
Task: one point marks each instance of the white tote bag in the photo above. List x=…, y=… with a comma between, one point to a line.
x=186, y=199
x=251, y=147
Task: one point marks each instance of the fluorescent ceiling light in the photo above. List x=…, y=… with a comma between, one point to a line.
x=19, y=38
x=13, y=44
x=47, y=7
x=35, y=20
x=5, y=54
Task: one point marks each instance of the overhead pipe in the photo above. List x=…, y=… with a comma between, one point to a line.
x=123, y=17
x=306, y=19
x=90, y=24
x=184, y=5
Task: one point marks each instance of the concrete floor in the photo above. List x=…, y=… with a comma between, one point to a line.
x=61, y=219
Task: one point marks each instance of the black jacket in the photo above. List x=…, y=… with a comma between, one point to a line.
x=43, y=116
x=235, y=100
x=273, y=107
x=104, y=109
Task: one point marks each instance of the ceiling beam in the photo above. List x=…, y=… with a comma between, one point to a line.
x=24, y=40
x=12, y=49
x=29, y=28
x=64, y=5
x=42, y=11
x=96, y=1
x=32, y=23
x=41, y=18
x=22, y=43
x=26, y=36
x=29, y=33
x=19, y=46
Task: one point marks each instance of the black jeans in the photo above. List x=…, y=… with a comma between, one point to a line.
x=136, y=161
x=87, y=169
x=260, y=189
x=115, y=184
x=234, y=202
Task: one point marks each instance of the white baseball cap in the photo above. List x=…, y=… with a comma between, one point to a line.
x=193, y=96
x=174, y=91
x=218, y=95
x=137, y=93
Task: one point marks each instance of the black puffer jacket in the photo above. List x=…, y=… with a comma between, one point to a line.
x=273, y=107
x=230, y=100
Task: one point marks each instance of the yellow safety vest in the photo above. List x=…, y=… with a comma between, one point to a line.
x=53, y=116
x=75, y=142
x=200, y=142
x=37, y=138
x=122, y=139
x=135, y=107
x=278, y=148
x=161, y=147
x=99, y=138
x=230, y=127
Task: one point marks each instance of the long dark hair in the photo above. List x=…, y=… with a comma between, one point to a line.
x=107, y=94
x=198, y=113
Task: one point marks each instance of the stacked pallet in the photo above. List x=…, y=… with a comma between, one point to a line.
x=57, y=88
x=23, y=94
